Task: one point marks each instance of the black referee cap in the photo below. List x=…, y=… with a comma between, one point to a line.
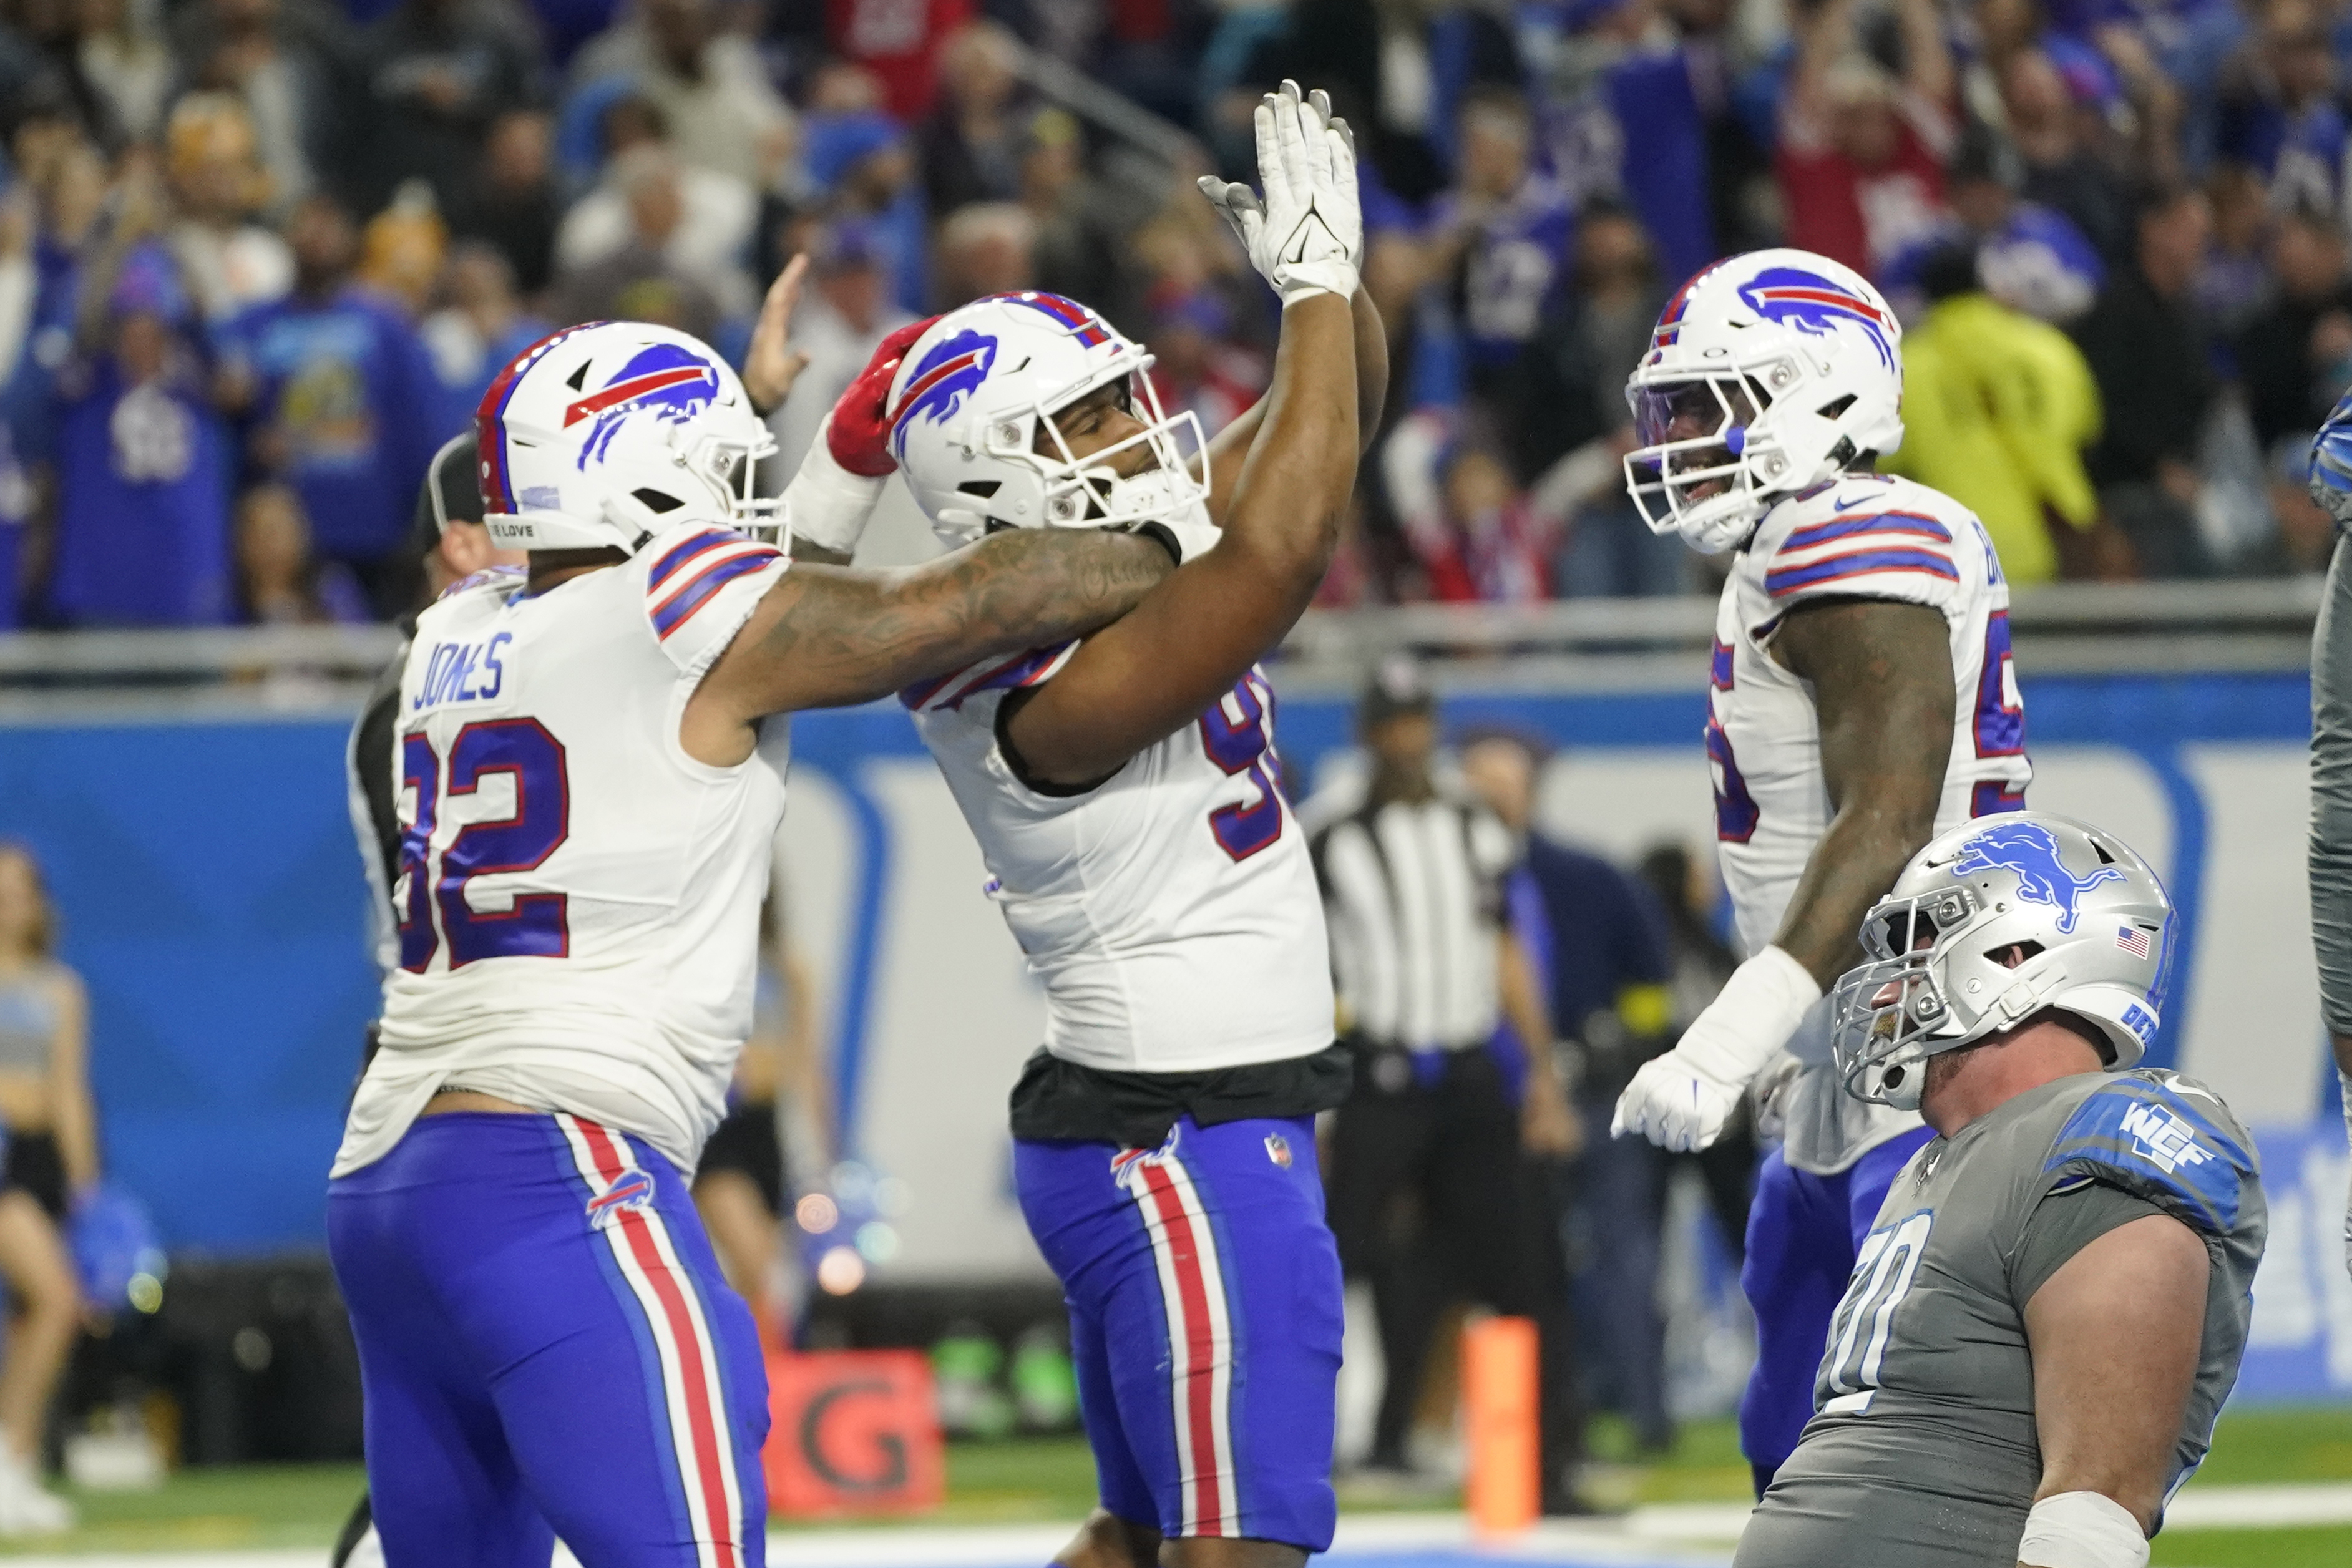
x=1396, y=689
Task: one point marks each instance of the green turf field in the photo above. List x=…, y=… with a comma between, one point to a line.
x=1043, y=1479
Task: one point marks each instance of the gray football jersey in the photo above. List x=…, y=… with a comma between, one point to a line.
x=1922, y=1451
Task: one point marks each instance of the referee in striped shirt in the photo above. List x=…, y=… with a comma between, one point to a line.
x=1440, y=1184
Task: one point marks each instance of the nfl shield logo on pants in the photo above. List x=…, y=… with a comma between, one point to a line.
x=1278, y=1149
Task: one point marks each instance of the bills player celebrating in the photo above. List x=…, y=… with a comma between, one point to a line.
x=588, y=790
x=1123, y=791
x=1861, y=701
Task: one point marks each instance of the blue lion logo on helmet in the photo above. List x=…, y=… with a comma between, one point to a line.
x=1811, y=303
x=952, y=371
x=666, y=381
x=2028, y=851
x=2331, y=463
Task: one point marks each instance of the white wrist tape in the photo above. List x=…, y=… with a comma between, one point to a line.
x=2082, y=1529
x=827, y=505
x=1751, y=1018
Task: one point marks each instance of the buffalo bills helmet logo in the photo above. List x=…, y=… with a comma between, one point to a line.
x=1814, y=304
x=630, y=1190
x=665, y=380
x=2027, y=851
x=953, y=371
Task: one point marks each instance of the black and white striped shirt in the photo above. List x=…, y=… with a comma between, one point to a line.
x=1414, y=896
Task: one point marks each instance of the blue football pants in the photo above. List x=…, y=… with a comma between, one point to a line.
x=548, y=1348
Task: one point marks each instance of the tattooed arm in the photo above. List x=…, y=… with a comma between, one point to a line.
x=826, y=636
x=1884, y=691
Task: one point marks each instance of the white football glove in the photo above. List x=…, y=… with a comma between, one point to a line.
x=1306, y=237
x=1681, y=1101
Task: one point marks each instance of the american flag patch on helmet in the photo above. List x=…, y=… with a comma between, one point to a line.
x=2132, y=940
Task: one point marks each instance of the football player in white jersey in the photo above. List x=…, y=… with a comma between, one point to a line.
x=1125, y=793
x=590, y=780
x=1861, y=700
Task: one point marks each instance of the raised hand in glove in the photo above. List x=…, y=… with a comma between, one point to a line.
x=1305, y=236
x=832, y=497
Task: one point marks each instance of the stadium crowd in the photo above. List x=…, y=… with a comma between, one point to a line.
x=259, y=258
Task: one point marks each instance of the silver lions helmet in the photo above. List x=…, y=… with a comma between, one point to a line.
x=1988, y=925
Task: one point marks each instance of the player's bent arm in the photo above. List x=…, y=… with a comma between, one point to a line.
x=1884, y=691
x=1231, y=448
x=824, y=636
x=1199, y=632
x=2115, y=1335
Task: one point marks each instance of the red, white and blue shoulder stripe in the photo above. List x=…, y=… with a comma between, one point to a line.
x=945, y=694
x=688, y=574
x=1870, y=538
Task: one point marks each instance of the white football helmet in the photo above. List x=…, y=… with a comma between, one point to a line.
x=976, y=391
x=2091, y=920
x=1766, y=374
x=605, y=433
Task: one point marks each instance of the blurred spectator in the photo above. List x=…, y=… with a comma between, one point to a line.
x=52, y=1161
x=2030, y=258
x=439, y=72
x=297, y=75
x=402, y=248
x=842, y=318
x=279, y=581
x=973, y=140
x=1077, y=247
x=2296, y=356
x=860, y=164
x=1862, y=153
x=707, y=82
x=339, y=398
x=143, y=464
x=1400, y=82
x=985, y=248
x=654, y=274
x=1477, y=537
x=1499, y=238
x=481, y=327
x=2155, y=385
x=900, y=42
x=2062, y=170
x=1568, y=417
x=2234, y=283
x=231, y=261
x=2278, y=111
x=1998, y=408
x=1199, y=369
x=123, y=57
x=698, y=221
x=514, y=204
x=1598, y=943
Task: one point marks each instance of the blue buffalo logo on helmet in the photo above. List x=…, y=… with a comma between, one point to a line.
x=952, y=371
x=1811, y=303
x=666, y=381
x=2027, y=851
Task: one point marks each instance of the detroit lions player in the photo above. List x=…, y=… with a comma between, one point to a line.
x=588, y=792
x=2331, y=758
x=2052, y=1303
x=1861, y=700
x=1124, y=792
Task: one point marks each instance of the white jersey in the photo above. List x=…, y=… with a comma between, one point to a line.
x=579, y=898
x=1865, y=536
x=1171, y=913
